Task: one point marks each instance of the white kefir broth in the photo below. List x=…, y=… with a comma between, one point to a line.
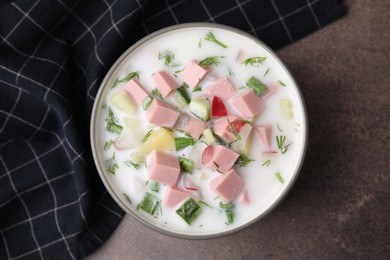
x=261, y=183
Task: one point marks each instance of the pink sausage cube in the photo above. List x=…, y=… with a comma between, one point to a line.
x=221, y=128
x=165, y=83
x=221, y=88
x=219, y=157
x=248, y=103
x=163, y=167
x=263, y=134
x=195, y=127
x=193, y=73
x=136, y=91
x=228, y=185
x=244, y=198
x=174, y=196
x=162, y=114
x=270, y=90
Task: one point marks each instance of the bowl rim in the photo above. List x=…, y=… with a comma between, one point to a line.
x=120, y=201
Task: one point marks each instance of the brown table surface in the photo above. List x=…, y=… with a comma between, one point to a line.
x=339, y=207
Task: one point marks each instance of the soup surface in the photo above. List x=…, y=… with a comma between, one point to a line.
x=199, y=130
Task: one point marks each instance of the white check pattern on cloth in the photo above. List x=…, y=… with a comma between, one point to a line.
x=52, y=203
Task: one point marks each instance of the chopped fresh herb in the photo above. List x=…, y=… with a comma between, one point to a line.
x=135, y=165
x=277, y=125
x=112, y=125
x=200, y=44
x=221, y=141
x=196, y=89
x=111, y=164
x=189, y=211
x=168, y=58
x=231, y=73
x=257, y=85
x=244, y=160
x=183, y=142
x=213, y=60
x=242, y=87
x=147, y=136
x=254, y=61
x=103, y=106
x=155, y=186
x=185, y=85
x=200, y=226
x=127, y=197
x=186, y=165
x=108, y=144
x=280, y=178
x=266, y=163
x=146, y=102
x=128, y=77
x=266, y=72
x=280, y=141
x=281, y=83
x=157, y=93
x=216, y=198
x=228, y=207
x=178, y=71
x=234, y=130
x=150, y=204
x=210, y=37
x=204, y=203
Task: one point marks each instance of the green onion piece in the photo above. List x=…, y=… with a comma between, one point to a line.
x=228, y=207
x=150, y=204
x=111, y=164
x=257, y=85
x=183, y=142
x=189, y=211
x=213, y=60
x=128, y=77
x=280, y=178
x=135, y=165
x=157, y=93
x=266, y=163
x=108, y=144
x=266, y=72
x=155, y=186
x=186, y=165
x=127, y=197
x=196, y=89
x=204, y=203
x=112, y=125
x=146, y=102
x=254, y=61
x=210, y=37
x=281, y=83
x=147, y=136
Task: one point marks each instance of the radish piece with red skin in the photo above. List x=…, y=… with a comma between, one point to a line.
x=218, y=108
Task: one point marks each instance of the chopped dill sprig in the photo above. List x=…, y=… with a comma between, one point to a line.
x=168, y=57
x=127, y=197
x=135, y=165
x=266, y=72
x=277, y=125
x=112, y=125
x=234, y=130
x=213, y=60
x=108, y=144
x=281, y=83
x=210, y=37
x=204, y=203
x=280, y=141
x=197, y=89
x=280, y=178
x=157, y=93
x=147, y=136
x=111, y=164
x=128, y=77
x=254, y=61
x=243, y=160
x=266, y=163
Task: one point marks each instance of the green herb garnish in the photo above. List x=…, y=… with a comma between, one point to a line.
x=213, y=60
x=234, y=130
x=150, y=204
x=189, y=211
x=147, y=136
x=280, y=141
x=183, y=142
x=112, y=125
x=266, y=72
x=281, y=83
x=196, y=89
x=111, y=164
x=128, y=77
x=266, y=163
x=130, y=164
x=228, y=207
x=155, y=186
x=157, y=93
x=168, y=58
x=280, y=178
x=244, y=160
x=254, y=61
x=210, y=37
x=277, y=125
x=186, y=165
x=108, y=144
x=200, y=44
x=257, y=85
x=204, y=203
x=146, y=102
x=178, y=71
x=127, y=197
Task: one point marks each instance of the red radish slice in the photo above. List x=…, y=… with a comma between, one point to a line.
x=218, y=108
x=207, y=154
x=237, y=124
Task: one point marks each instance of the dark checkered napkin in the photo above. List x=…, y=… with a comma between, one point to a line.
x=53, y=56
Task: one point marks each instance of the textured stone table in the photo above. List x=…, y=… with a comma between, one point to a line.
x=339, y=207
